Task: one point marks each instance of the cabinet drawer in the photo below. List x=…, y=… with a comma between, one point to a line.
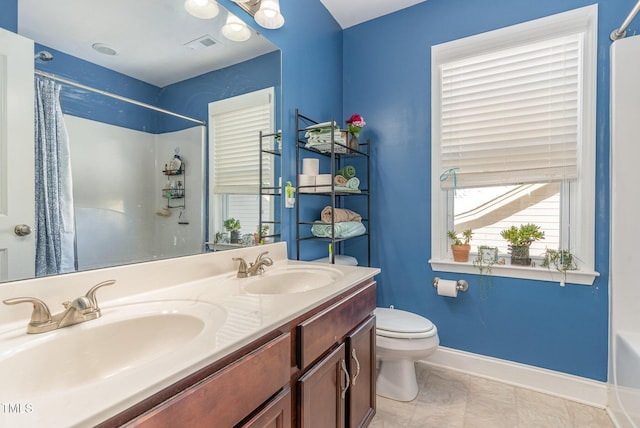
x=229, y=395
x=330, y=326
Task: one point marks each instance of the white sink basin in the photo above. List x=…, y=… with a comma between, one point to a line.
x=291, y=280
x=125, y=337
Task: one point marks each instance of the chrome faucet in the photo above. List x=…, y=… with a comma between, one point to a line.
x=255, y=268
x=82, y=309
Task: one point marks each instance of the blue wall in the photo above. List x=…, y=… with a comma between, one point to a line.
x=9, y=15
x=381, y=69
x=387, y=79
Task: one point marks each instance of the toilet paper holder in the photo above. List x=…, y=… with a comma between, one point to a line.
x=461, y=284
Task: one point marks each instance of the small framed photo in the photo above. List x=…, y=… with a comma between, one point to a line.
x=488, y=254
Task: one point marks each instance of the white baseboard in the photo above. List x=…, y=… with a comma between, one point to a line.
x=550, y=382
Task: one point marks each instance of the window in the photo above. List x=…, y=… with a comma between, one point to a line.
x=513, y=139
x=234, y=160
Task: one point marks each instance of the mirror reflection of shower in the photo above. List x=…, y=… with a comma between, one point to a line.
x=108, y=180
x=44, y=56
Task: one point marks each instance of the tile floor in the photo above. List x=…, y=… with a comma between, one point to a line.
x=450, y=399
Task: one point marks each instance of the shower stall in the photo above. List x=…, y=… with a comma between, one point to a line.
x=119, y=149
x=624, y=346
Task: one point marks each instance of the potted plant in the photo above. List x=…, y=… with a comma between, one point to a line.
x=261, y=233
x=484, y=261
x=233, y=227
x=520, y=239
x=560, y=260
x=460, y=247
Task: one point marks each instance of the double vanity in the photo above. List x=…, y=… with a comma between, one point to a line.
x=186, y=342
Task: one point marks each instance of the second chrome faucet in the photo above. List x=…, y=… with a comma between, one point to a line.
x=255, y=268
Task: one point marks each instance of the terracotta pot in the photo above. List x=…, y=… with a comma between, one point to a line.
x=460, y=252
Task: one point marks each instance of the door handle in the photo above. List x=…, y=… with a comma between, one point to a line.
x=347, y=378
x=22, y=229
x=355, y=358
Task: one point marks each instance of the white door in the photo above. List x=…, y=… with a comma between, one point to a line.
x=17, y=253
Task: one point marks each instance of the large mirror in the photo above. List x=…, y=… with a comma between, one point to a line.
x=139, y=175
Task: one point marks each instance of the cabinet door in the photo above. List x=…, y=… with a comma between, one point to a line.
x=322, y=391
x=361, y=355
x=275, y=414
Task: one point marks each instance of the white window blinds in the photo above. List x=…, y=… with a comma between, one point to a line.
x=512, y=116
x=235, y=145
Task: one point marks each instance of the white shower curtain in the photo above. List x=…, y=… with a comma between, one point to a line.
x=55, y=223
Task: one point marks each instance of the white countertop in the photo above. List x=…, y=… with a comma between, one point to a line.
x=210, y=288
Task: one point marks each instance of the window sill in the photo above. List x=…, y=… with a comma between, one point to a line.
x=581, y=277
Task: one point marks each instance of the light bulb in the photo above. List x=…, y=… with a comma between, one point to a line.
x=268, y=16
x=236, y=30
x=203, y=9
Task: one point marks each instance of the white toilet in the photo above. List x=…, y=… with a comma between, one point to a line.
x=402, y=338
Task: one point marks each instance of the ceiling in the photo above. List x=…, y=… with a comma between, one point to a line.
x=157, y=40
x=152, y=37
x=352, y=12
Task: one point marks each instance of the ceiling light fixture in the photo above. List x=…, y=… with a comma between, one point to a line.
x=235, y=30
x=269, y=16
x=266, y=12
x=203, y=9
x=104, y=49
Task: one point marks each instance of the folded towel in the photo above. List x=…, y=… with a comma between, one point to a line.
x=340, y=181
x=347, y=229
x=353, y=183
x=347, y=172
x=340, y=215
x=342, y=189
x=322, y=125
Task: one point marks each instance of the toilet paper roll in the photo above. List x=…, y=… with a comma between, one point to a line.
x=306, y=180
x=310, y=166
x=447, y=288
x=323, y=181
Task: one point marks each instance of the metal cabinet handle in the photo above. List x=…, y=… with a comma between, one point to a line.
x=343, y=392
x=355, y=358
x=22, y=229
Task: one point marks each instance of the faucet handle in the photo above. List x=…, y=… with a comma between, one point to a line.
x=242, y=268
x=91, y=294
x=40, y=314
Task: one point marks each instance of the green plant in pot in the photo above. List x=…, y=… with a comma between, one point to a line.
x=484, y=261
x=233, y=227
x=460, y=247
x=560, y=260
x=520, y=239
x=261, y=233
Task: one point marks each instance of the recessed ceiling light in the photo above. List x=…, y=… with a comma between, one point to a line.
x=104, y=49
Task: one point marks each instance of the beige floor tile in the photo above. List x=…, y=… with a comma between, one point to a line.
x=450, y=399
x=584, y=416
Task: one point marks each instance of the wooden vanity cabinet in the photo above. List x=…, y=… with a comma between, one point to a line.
x=339, y=389
x=226, y=397
x=317, y=370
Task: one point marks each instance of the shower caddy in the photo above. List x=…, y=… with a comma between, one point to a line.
x=173, y=168
x=339, y=155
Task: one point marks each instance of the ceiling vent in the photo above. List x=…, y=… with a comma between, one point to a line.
x=201, y=42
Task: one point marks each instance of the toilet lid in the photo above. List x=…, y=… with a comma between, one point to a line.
x=402, y=324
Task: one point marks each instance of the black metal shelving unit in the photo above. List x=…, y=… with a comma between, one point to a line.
x=338, y=154
x=274, y=190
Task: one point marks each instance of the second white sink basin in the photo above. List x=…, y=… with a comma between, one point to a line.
x=125, y=337
x=291, y=280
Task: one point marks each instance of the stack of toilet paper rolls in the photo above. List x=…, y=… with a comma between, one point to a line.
x=311, y=177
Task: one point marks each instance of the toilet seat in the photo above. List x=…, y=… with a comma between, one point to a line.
x=399, y=324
